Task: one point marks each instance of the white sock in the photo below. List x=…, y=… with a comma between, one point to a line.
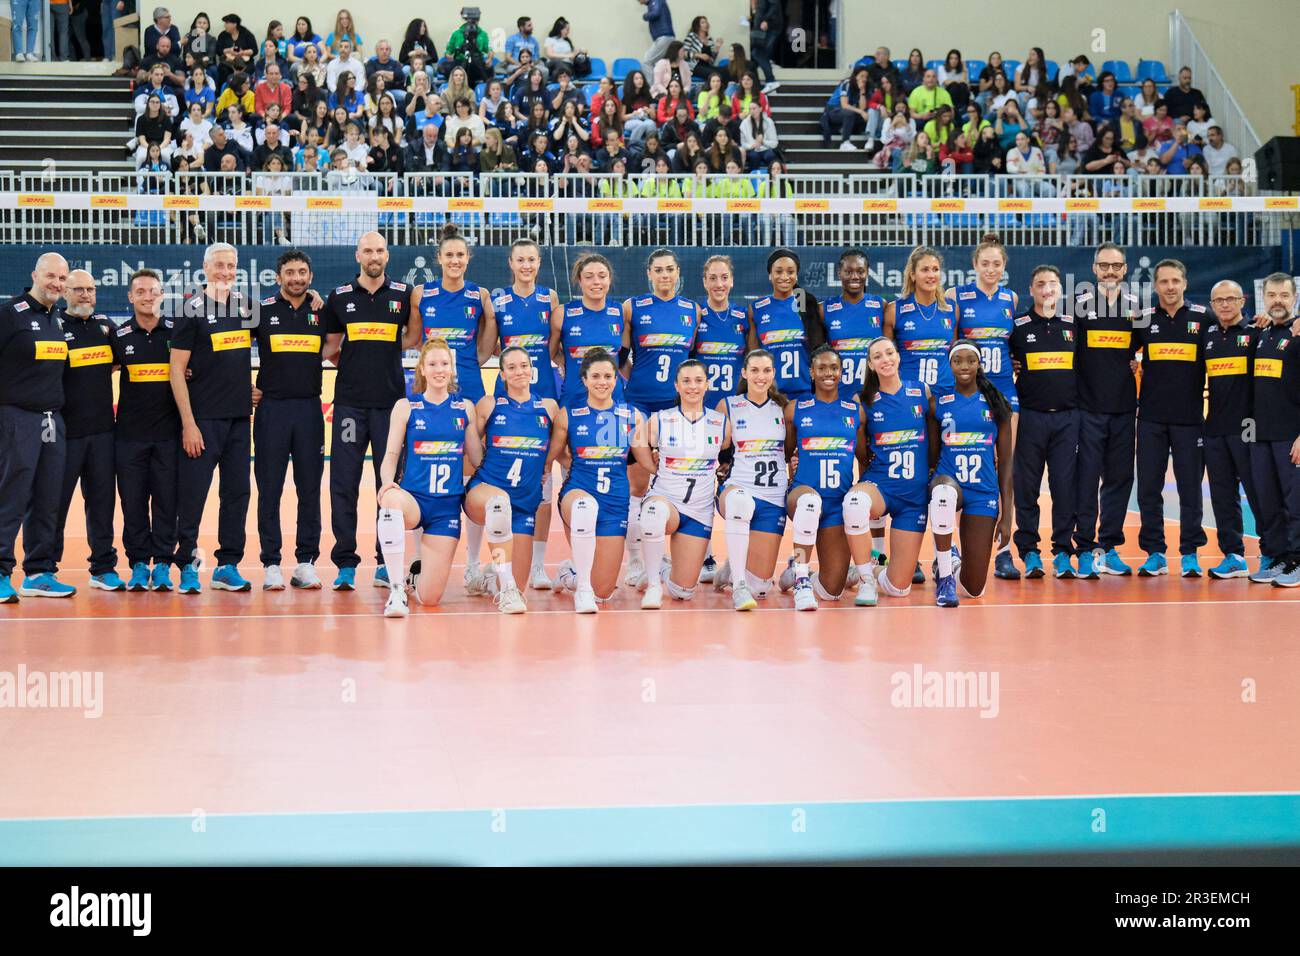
x=634, y=526
x=473, y=543
x=391, y=530
x=865, y=570
x=654, y=520
x=801, y=572
x=582, y=537
x=945, y=562
x=539, y=554
x=505, y=575
x=739, y=513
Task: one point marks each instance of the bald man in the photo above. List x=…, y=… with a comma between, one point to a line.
x=88, y=418
x=368, y=323
x=33, y=443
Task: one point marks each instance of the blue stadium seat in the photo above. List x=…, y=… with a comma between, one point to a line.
x=1120, y=68
x=900, y=65
x=1053, y=71
x=933, y=65
x=1152, y=70
x=598, y=68
x=623, y=66
x=723, y=63
x=480, y=89
x=1011, y=68
x=974, y=68
x=864, y=61
x=1128, y=90
x=552, y=87
x=150, y=218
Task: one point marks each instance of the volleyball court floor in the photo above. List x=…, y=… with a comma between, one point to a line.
x=298, y=727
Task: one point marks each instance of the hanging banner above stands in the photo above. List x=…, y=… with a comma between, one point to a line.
x=182, y=267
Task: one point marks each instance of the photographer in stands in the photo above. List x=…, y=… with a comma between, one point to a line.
x=468, y=47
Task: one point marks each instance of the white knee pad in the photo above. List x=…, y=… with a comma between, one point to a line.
x=806, y=519
x=654, y=519
x=882, y=578
x=391, y=529
x=821, y=592
x=943, y=509
x=857, y=513
x=582, y=517
x=680, y=593
x=496, y=519
x=757, y=586
x=548, y=487
x=879, y=524
x=739, y=509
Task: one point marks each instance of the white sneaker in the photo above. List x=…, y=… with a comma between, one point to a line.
x=305, y=577
x=510, y=601
x=491, y=585
x=396, y=606
x=868, y=592
x=770, y=88
x=476, y=579
x=200, y=235
x=584, y=601
x=538, y=579
x=741, y=599
x=787, y=576
x=634, y=576
x=869, y=145
x=20, y=57
x=708, y=570
x=722, y=578
x=273, y=579
x=853, y=576
x=653, y=598
x=848, y=147
x=566, y=579
x=804, y=599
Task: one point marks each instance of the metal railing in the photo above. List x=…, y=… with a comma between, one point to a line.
x=1186, y=50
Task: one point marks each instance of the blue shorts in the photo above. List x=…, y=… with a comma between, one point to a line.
x=523, y=512
x=832, y=510
x=976, y=501
x=696, y=529
x=439, y=514
x=611, y=518
x=905, y=515
x=768, y=518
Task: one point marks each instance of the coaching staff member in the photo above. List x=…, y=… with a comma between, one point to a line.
x=212, y=340
x=1170, y=419
x=288, y=421
x=1103, y=323
x=1042, y=343
x=1275, y=453
x=148, y=436
x=88, y=418
x=368, y=323
x=33, y=445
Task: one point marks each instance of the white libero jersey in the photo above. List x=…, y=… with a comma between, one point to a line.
x=688, y=461
x=758, y=437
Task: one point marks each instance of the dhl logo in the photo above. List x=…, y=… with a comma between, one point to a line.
x=925, y=345
x=225, y=341
x=52, y=351
x=525, y=341
x=759, y=446
x=966, y=439
x=1109, y=340
x=777, y=336
x=1045, y=361
x=295, y=343
x=602, y=451
x=158, y=372
x=661, y=340
x=1226, y=366
x=448, y=334
x=517, y=442
x=689, y=464
x=92, y=355
x=372, y=332
x=719, y=348
x=826, y=444
x=988, y=333
x=903, y=437
x=423, y=448
x=851, y=345
x=1172, y=352
x=1268, y=368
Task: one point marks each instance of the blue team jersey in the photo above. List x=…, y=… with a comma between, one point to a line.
x=663, y=332
x=599, y=440
x=454, y=316
x=923, y=334
x=720, y=345
x=585, y=329
x=826, y=434
x=434, y=464
x=525, y=321
x=988, y=320
x=515, y=443
x=780, y=330
x=897, y=434
x=850, y=329
x=969, y=436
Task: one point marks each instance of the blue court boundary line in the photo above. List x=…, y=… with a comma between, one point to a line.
x=665, y=835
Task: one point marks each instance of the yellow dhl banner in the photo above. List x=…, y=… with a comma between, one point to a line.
x=1171, y=352
x=145, y=372
x=225, y=341
x=91, y=355
x=55, y=351
x=1099, y=339
x=372, y=331
x=1268, y=368
x=295, y=343
x=1235, y=365
x=1046, y=361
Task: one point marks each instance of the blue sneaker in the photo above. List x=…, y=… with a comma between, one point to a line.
x=1033, y=565
x=1232, y=566
x=1112, y=563
x=1191, y=568
x=1087, y=566
x=162, y=578
x=107, y=582
x=1062, y=566
x=190, y=580
x=946, y=591
x=347, y=580
x=45, y=585
x=918, y=576
x=381, y=577
x=1288, y=575
x=1269, y=568
x=1004, y=567
x=139, y=577
x=7, y=593
x=228, y=578
x=1153, y=566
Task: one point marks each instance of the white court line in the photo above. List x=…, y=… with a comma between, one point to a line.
x=629, y=610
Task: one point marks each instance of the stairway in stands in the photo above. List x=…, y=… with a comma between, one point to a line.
x=80, y=122
x=796, y=108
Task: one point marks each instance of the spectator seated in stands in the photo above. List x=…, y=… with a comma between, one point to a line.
x=234, y=42
x=494, y=98
x=459, y=87
x=200, y=89
x=1218, y=153
x=612, y=151
x=852, y=108
x=1128, y=127
x=1068, y=159
x=533, y=91
x=308, y=159
x=975, y=122
x=1198, y=127
x=674, y=132
x=1159, y=127
x=496, y=156
x=1178, y=152
x=1030, y=77
x=311, y=65
x=431, y=115
x=954, y=77
x=426, y=151
x=221, y=146
x=199, y=45
x=157, y=85
x=270, y=55
x=652, y=151
x=560, y=51
x=882, y=66
x=1069, y=97
x=992, y=68
x=302, y=37
x=920, y=157
x=758, y=139
x=1048, y=132
x=539, y=149
x=942, y=129
x=1104, y=157
x=237, y=92
x=462, y=118
x=356, y=148
x=197, y=125
x=344, y=32
x=522, y=40
x=1181, y=99
x=153, y=127
x=568, y=121
x=912, y=75
x=1105, y=102
x=998, y=95
x=687, y=153
x=240, y=131
x=566, y=91
x=383, y=64
x=609, y=117
x=897, y=136
x=702, y=51
x=347, y=96
x=469, y=48
x=724, y=120
x=639, y=111
x=462, y=154
x=1026, y=159
x=747, y=92
x=672, y=65
x=957, y=156
x=345, y=62
x=272, y=90
x=1080, y=131
x=1079, y=77
x=926, y=99
x=273, y=145
x=167, y=56
x=417, y=40
x=388, y=117
x=671, y=100
x=989, y=159
x=711, y=98
x=1145, y=101
x=1009, y=122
